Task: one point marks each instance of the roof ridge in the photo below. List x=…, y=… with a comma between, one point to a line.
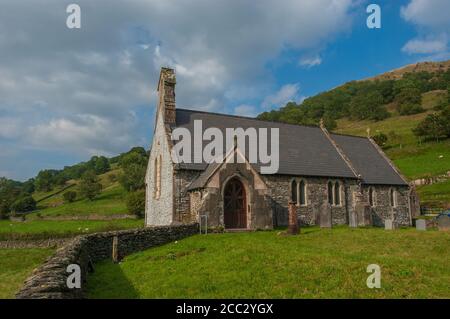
x=247, y=118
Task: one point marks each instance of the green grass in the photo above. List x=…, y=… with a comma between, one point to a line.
x=110, y=202
x=316, y=264
x=414, y=159
x=435, y=195
x=43, y=229
x=16, y=265
x=401, y=125
x=428, y=159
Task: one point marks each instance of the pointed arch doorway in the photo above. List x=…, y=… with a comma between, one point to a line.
x=235, y=204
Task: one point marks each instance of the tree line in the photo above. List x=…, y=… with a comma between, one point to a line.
x=16, y=197
x=363, y=100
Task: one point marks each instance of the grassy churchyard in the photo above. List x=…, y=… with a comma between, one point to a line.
x=319, y=263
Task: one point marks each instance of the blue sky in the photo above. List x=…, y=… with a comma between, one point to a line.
x=66, y=95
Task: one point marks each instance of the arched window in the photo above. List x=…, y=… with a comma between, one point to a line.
x=330, y=193
x=157, y=179
x=393, y=197
x=294, y=191
x=302, y=187
x=371, y=195
x=337, y=193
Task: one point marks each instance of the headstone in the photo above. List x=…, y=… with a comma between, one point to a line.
x=443, y=222
x=364, y=215
x=325, y=216
x=389, y=224
x=293, y=219
x=421, y=224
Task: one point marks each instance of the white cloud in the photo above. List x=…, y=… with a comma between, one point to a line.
x=309, y=62
x=59, y=80
x=246, y=110
x=428, y=13
x=287, y=93
x=84, y=133
x=425, y=46
x=433, y=25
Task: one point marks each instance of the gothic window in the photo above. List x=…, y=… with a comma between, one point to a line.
x=157, y=179
x=302, y=198
x=371, y=196
x=294, y=191
x=393, y=197
x=330, y=193
x=337, y=193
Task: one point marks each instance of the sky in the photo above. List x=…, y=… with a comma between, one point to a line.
x=67, y=94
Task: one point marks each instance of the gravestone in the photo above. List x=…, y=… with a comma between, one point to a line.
x=389, y=224
x=364, y=217
x=293, y=219
x=443, y=222
x=325, y=216
x=421, y=224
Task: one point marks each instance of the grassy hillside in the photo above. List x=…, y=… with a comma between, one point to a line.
x=318, y=263
x=393, y=104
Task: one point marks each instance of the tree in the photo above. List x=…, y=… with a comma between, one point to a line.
x=409, y=101
x=134, y=166
x=101, y=165
x=69, y=196
x=136, y=203
x=368, y=105
x=90, y=186
x=44, y=180
x=24, y=204
x=433, y=126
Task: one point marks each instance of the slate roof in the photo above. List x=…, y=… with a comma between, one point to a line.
x=368, y=161
x=304, y=150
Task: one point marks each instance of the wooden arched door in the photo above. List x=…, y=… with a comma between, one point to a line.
x=235, y=204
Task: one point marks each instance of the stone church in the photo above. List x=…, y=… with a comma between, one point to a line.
x=332, y=179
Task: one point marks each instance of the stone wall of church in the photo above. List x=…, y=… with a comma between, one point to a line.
x=159, y=210
x=183, y=211
x=382, y=208
x=316, y=200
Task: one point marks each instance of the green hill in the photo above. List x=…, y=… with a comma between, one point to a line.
x=392, y=104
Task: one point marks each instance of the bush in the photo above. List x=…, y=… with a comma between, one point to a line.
x=410, y=109
x=24, y=204
x=136, y=203
x=381, y=139
x=70, y=196
x=90, y=186
x=4, y=211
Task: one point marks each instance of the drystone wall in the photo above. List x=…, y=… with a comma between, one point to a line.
x=49, y=281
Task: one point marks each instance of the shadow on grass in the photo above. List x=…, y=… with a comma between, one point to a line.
x=110, y=282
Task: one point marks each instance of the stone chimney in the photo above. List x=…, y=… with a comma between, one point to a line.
x=166, y=91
